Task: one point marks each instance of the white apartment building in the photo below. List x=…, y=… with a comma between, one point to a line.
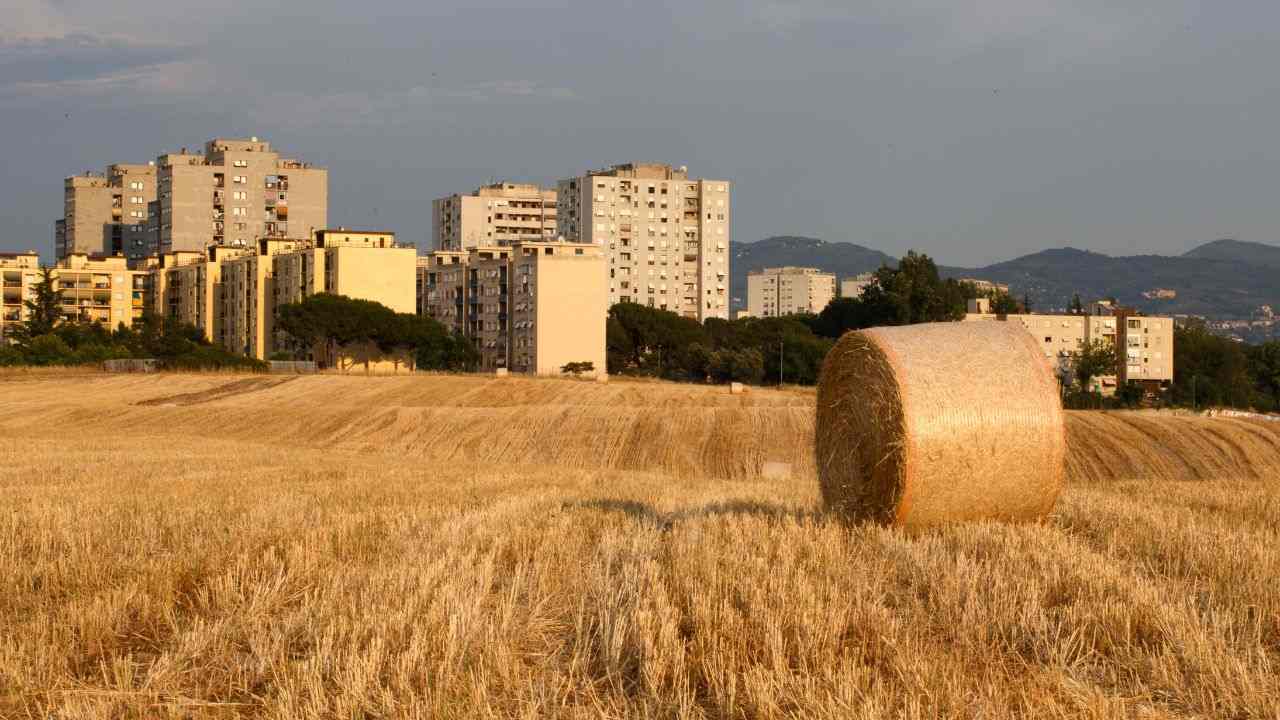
x=666, y=235
x=774, y=292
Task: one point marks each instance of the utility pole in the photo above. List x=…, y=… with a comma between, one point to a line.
x=781, y=369
x=1194, y=405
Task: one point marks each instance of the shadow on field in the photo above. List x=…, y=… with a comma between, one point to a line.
x=665, y=521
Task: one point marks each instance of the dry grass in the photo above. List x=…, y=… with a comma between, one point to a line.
x=351, y=547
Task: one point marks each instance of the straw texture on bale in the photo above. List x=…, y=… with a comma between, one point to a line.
x=936, y=423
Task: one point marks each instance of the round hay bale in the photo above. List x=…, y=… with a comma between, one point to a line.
x=927, y=424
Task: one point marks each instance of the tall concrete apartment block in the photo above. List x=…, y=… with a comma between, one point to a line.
x=494, y=215
x=774, y=292
x=107, y=213
x=530, y=307
x=666, y=235
x=236, y=192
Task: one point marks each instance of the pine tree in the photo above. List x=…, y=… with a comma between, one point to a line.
x=44, y=309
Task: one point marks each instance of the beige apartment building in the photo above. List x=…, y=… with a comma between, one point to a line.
x=854, y=286
x=666, y=236
x=361, y=264
x=235, y=192
x=93, y=288
x=19, y=274
x=186, y=287
x=1146, y=342
x=531, y=307
x=499, y=214
x=107, y=213
x=364, y=264
x=774, y=292
x=102, y=289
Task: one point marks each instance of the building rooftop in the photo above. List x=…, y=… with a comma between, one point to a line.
x=645, y=171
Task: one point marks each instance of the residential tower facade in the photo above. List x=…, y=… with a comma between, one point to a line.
x=774, y=292
x=666, y=236
x=499, y=214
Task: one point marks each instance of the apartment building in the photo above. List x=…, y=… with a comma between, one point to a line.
x=235, y=192
x=774, y=292
x=101, y=288
x=666, y=236
x=106, y=213
x=1146, y=342
x=442, y=278
x=19, y=274
x=531, y=307
x=186, y=287
x=248, y=298
x=854, y=286
x=499, y=214
x=558, y=307
x=488, y=307
x=361, y=264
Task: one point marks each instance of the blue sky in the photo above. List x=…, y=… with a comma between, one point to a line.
x=974, y=131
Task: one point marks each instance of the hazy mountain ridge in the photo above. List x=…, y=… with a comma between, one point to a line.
x=1221, y=279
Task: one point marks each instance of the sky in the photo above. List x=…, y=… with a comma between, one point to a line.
x=973, y=130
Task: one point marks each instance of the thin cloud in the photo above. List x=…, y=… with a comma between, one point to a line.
x=364, y=109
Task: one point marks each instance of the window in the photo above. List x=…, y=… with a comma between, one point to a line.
x=240, y=163
x=239, y=195
x=238, y=179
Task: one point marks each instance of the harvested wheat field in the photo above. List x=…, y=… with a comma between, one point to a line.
x=436, y=546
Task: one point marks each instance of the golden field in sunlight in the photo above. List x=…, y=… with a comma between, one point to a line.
x=464, y=546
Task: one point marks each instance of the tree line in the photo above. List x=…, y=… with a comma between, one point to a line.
x=49, y=337
x=652, y=342
x=335, y=330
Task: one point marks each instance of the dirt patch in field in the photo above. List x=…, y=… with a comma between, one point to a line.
x=221, y=392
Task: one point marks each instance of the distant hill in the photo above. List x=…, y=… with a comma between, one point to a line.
x=1222, y=279
x=843, y=259
x=1242, y=251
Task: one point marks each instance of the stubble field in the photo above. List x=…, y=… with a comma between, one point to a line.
x=221, y=546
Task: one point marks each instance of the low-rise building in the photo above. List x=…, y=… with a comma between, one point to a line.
x=530, y=307
x=774, y=292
